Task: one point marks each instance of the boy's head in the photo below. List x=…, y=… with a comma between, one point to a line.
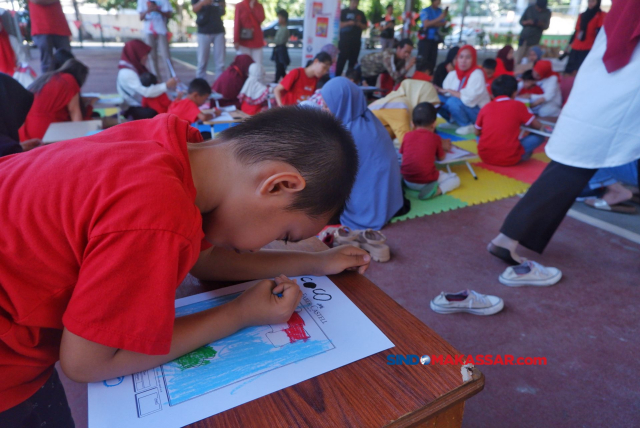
x=390, y=8
x=199, y=91
x=355, y=75
x=322, y=81
x=504, y=85
x=353, y=4
x=528, y=81
x=424, y=116
x=283, y=17
x=489, y=65
x=291, y=169
x=321, y=64
x=147, y=79
x=422, y=64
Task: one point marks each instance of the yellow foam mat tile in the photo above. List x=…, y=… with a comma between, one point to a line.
x=542, y=156
x=468, y=145
x=488, y=187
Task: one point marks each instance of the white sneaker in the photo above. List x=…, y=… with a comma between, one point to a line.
x=464, y=130
x=448, y=125
x=467, y=301
x=530, y=273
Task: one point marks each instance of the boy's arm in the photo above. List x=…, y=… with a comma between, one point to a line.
x=218, y=264
x=205, y=116
x=85, y=361
x=277, y=92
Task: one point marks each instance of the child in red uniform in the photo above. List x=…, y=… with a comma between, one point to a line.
x=189, y=108
x=299, y=84
x=254, y=93
x=127, y=213
x=498, y=126
x=420, y=149
x=160, y=103
x=422, y=70
x=529, y=84
x=57, y=99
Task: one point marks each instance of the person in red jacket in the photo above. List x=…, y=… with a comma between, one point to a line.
x=587, y=27
x=247, y=34
x=49, y=30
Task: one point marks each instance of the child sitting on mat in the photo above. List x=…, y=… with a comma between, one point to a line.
x=529, y=84
x=422, y=70
x=498, y=126
x=300, y=83
x=189, y=108
x=420, y=149
x=160, y=103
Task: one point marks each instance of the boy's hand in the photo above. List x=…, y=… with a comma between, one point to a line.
x=446, y=145
x=344, y=257
x=260, y=305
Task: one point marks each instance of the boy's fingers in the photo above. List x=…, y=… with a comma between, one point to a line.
x=279, y=288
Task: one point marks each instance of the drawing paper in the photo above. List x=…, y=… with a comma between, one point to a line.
x=327, y=331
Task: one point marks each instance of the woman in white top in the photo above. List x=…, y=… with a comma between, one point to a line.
x=598, y=128
x=131, y=66
x=548, y=104
x=464, y=91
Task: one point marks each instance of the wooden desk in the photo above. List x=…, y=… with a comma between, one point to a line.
x=368, y=392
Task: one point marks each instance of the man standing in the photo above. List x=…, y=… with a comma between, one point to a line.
x=534, y=21
x=155, y=14
x=210, y=31
x=432, y=19
x=352, y=22
x=396, y=62
x=49, y=30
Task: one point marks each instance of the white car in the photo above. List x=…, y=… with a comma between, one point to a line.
x=470, y=36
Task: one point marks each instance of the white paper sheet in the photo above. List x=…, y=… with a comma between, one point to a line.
x=456, y=153
x=328, y=332
x=224, y=117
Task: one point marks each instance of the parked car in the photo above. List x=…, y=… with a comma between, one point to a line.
x=470, y=36
x=296, y=29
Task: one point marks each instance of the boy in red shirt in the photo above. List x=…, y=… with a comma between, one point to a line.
x=189, y=108
x=129, y=212
x=422, y=70
x=160, y=103
x=420, y=149
x=300, y=84
x=498, y=126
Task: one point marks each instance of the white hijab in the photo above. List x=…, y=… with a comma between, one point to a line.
x=254, y=91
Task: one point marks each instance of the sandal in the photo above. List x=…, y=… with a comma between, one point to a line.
x=373, y=241
x=502, y=253
x=601, y=204
x=345, y=236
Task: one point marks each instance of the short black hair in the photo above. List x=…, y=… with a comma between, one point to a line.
x=322, y=81
x=404, y=42
x=283, y=13
x=311, y=140
x=60, y=57
x=355, y=75
x=424, y=114
x=422, y=64
x=504, y=85
x=324, y=57
x=490, y=63
x=200, y=86
x=147, y=79
x=390, y=5
x=528, y=75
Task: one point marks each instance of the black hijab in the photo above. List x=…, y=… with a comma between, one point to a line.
x=441, y=70
x=15, y=102
x=585, y=18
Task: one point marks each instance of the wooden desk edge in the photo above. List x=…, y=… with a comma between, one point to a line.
x=442, y=403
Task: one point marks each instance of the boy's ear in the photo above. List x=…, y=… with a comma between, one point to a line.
x=282, y=183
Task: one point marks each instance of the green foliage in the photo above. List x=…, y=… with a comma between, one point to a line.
x=197, y=358
x=376, y=13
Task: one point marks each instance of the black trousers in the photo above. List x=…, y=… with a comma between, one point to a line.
x=535, y=218
x=349, y=51
x=137, y=113
x=48, y=407
x=281, y=71
x=428, y=50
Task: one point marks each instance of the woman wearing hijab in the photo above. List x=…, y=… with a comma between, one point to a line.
x=505, y=56
x=57, y=99
x=230, y=82
x=464, y=91
x=131, y=66
x=394, y=111
x=377, y=193
x=587, y=27
x=534, y=55
x=15, y=102
x=254, y=93
x=445, y=67
x=580, y=144
x=549, y=103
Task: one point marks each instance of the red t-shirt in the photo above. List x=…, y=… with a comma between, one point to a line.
x=500, y=122
x=535, y=90
x=160, y=104
x=419, y=75
x=50, y=106
x=420, y=149
x=48, y=19
x=251, y=109
x=185, y=109
x=298, y=87
x=592, y=32
x=97, y=233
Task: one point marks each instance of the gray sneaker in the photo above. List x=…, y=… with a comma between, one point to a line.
x=467, y=301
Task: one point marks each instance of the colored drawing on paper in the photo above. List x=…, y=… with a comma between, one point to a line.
x=317, y=8
x=322, y=26
x=197, y=358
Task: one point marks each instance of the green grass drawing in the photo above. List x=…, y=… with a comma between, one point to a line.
x=197, y=358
